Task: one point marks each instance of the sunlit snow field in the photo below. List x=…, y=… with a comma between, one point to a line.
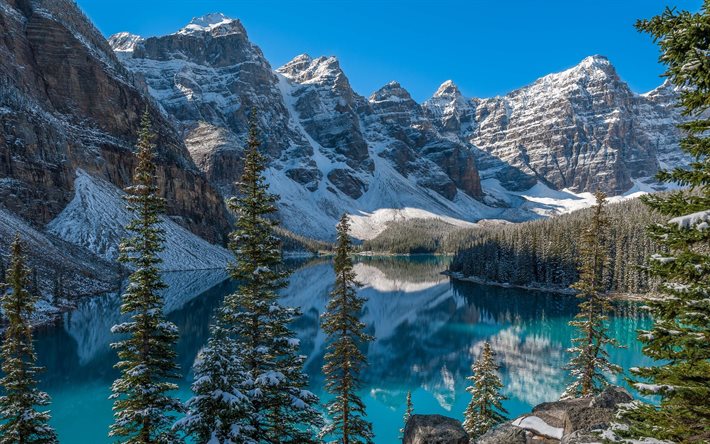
x=428, y=330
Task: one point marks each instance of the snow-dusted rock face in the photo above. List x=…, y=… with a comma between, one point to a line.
x=331, y=150
x=66, y=102
x=208, y=77
x=415, y=146
x=581, y=129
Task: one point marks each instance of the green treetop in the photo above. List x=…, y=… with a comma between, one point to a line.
x=485, y=410
x=142, y=405
x=344, y=359
x=591, y=359
x=20, y=421
x=282, y=410
x=680, y=337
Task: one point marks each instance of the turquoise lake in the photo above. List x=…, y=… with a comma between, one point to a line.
x=428, y=332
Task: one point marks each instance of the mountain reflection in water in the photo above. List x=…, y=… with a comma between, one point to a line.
x=428, y=332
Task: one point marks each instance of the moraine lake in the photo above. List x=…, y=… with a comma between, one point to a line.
x=428, y=331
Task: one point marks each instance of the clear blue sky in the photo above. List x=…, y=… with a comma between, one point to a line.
x=486, y=47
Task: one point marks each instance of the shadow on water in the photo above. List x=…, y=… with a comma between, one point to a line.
x=428, y=331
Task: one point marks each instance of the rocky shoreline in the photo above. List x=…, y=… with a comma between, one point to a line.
x=571, y=421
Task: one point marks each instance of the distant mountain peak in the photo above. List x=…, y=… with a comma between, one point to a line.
x=595, y=63
x=392, y=91
x=305, y=69
x=211, y=22
x=448, y=89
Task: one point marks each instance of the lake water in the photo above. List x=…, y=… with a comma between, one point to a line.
x=428, y=331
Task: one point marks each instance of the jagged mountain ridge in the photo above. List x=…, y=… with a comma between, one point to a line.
x=582, y=129
x=386, y=156
x=331, y=149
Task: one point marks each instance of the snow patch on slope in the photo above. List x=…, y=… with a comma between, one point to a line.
x=96, y=218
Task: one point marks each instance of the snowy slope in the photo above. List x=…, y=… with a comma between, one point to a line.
x=96, y=217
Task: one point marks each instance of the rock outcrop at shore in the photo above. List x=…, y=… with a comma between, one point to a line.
x=569, y=421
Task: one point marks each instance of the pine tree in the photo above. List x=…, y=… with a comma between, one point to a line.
x=283, y=411
x=407, y=414
x=20, y=422
x=219, y=411
x=591, y=359
x=142, y=404
x=680, y=336
x=344, y=359
x=485, y=410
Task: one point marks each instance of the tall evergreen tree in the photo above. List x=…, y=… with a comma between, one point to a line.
x=218, y=413
x=407, y=414
x=344, y=359
x=591, y=359
x=485, y=410
x=142, y=404
x=283, y=411
x=680, y=336
x=20, y=421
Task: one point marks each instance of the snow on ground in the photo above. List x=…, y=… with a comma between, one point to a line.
x=539, y=427
x=369, y=225
x=96, y=218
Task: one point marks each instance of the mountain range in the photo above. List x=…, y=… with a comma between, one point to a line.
x=70, y=106
x=386, y=156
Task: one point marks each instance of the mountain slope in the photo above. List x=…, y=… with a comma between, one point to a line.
x=67, y=103
x=96, y=219
x=582, y=129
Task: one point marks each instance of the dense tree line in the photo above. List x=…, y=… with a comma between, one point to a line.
x=295, y=243
x=412, y=236
x=545, y=252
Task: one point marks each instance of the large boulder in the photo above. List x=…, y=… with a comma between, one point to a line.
x=434, y=429
x=567, y=421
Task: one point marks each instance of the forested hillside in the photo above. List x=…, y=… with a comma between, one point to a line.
x=412, y=236
x=544, y=253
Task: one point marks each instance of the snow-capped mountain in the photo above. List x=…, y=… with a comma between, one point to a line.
x=386, y=156
x=582, y=129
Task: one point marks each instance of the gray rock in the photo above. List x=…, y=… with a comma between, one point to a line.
x=580, y=419
x=434, y=429
x=582, y=129
x=67, y=103
x=504, y=434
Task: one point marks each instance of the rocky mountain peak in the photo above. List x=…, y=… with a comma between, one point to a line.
x=391, y=92
x=448, y=89
x=322, y=70
x=592, y=68
x=214, y=23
